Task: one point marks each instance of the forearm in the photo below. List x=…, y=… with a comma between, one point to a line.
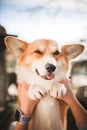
x=23, y=119
x=79, y=113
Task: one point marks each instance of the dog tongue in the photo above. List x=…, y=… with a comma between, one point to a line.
x=50, y=76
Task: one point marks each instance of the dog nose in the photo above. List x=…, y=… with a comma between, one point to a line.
x=50, y=67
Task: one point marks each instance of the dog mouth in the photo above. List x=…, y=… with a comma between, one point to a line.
x=49, y=76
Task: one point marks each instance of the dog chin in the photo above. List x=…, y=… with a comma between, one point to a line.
x=48, y=76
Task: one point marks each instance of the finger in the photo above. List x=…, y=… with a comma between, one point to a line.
x=26, y=85
x=19, y=86
x=23, y=85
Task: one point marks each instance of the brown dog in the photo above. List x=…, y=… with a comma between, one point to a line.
x=43, y=65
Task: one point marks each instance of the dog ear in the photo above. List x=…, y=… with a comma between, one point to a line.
x=72, y=51
x=15, y=46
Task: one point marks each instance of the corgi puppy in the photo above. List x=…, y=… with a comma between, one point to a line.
x=43, y=65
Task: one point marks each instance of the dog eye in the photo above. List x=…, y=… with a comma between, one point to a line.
x=56, y=52
x=38, y=52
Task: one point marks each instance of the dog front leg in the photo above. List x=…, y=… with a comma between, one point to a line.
x=36, y=92
x=57, y=90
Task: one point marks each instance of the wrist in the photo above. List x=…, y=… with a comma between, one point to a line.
x=26, y=111
x=71, y=101
x=21, y=118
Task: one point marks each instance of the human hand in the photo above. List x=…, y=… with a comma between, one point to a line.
x=26, y=105
x=69, y=96
x=79, y=113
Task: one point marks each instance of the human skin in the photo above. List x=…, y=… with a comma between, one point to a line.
x=26, y=105
x=79, y=113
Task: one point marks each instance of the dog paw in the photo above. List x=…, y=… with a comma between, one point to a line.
x=58, y=90
x=36, y=92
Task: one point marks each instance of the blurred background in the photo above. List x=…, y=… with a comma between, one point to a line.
x=62, y=20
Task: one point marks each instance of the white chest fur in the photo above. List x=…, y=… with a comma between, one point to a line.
x=47, y=115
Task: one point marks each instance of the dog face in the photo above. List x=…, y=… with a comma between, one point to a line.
x=43, y=57
x=40, y=57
